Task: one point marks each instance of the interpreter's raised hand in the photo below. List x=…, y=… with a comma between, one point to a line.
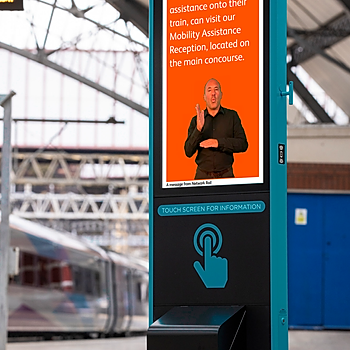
x=200, y=117
x=209, y=143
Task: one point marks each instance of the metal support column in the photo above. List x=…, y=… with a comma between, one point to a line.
x=5, y=102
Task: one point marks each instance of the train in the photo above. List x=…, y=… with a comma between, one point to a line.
x=66, y=286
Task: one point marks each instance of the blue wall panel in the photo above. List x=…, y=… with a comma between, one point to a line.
x=319, y=264
x=305, y=262
x=337, y=261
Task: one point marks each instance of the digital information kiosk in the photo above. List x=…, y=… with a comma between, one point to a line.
x=218, y=255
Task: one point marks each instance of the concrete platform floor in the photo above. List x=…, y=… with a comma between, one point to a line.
x=319, y=340
x=298, y=340
x=130, y=343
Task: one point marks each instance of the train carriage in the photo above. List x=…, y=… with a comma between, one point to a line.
x=65, y=285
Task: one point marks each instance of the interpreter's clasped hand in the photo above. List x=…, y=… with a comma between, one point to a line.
x=210, y=143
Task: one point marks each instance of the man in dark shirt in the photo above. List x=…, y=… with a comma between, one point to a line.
x=216, y=133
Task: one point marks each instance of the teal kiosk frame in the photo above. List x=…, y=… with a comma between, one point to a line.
x=278, y=330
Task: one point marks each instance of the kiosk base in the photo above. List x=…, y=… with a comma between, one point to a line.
x=199, y=328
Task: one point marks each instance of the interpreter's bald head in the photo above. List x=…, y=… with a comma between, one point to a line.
x=212, y=94
x=212, y=79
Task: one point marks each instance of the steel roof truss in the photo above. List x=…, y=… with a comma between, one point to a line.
x=72, y=206
x=346, y=3
x=32, y=167
x=310, y=43
x=308, y=99
x=131, y=10
x=42, y=59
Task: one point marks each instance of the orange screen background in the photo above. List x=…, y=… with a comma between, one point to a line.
x=239, y=83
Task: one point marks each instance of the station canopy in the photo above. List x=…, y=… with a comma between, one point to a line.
x=78, y=60
x=104, y=43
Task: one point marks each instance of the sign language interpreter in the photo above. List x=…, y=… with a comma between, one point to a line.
x=215, y=134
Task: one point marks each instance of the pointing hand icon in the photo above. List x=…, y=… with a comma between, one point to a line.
x=215, y=273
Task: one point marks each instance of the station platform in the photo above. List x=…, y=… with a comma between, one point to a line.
x=319, y=340
x=298, y=340
x=128, y=343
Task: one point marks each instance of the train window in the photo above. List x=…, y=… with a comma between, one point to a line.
x=97, y=283
x=139, y=291
x=16, y=279
x=55, y=282
x=89, y=289
x=43, y=272
x=78, y=279
x=27, y=269
x=142, y=291
x=38, y=271
x=13, y=280
x=67, y=278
